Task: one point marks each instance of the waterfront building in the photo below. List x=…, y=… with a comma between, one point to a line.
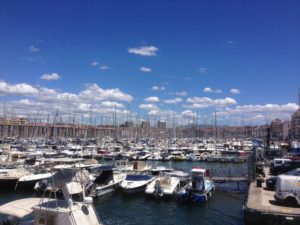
x=161, y=125
x=286, y=127
x=276, y=129
x=296, y=125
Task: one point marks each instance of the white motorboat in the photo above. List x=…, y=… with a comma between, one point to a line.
x=183, y=176
x=163, y=186
x=29, y=181
x=106, y=182
x=54, y=211
x=160, y=169
x=10, y=177
x=135, y=183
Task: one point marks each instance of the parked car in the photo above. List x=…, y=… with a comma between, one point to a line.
x=271, y=181
x=288, y=190
x=279, y=161
x=284, y=168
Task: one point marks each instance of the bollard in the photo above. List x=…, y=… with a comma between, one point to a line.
x=259, y=182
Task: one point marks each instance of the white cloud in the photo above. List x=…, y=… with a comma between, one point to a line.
x=152, y=99
x=204, y=102
x=44, y=102
x=94, y=63
x=181, y=93
x=26, y=102
x=22, y=89
x=148, y=106
x=209, y=90
x=52, y=76
x=34, y=49
x=94, y=92
x=153, y=112
x=104, y=67
x=267, y=108
x=188, y=114
x=199, y=100
x=158, y=88
x=173, y=101
x=145, y=69
x=144, y=50
x=234, y=91
x=203, y=70
x=110, y=104
x=197, y=106
x=224, y=102
x=48, y=95
x=260, y=113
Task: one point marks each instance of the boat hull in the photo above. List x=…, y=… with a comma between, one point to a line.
x=134, y=190
x=105, y=190
x=195, y=197
x=8, y=183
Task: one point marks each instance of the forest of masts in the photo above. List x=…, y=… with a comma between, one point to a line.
x=116, y=126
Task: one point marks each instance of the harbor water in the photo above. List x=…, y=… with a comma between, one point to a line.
x=225, y=207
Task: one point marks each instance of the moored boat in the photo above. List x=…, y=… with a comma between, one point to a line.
x=199, y=189
x=135, y=183
x=106, y=182
x=54, y=211
x=163, y=187
x=29, y=181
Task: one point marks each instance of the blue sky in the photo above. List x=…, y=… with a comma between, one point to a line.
x=157, y=58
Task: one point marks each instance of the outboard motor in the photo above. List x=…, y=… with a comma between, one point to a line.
x=157, y=191
x=41, y=186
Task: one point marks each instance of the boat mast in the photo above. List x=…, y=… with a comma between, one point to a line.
x=216, y=132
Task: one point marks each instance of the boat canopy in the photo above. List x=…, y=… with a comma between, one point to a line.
x=104, y=177
x=62, y=177
x=22, y=207
x=197, y=171
x=131, y=177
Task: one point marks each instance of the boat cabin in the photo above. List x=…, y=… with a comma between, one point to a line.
x=200, y=172
x=199, y=177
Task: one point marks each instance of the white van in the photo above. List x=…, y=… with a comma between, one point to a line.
x=278, y=161
x=288, y=190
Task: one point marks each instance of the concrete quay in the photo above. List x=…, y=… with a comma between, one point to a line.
x=261, y=208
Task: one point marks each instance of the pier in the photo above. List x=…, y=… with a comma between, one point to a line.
x=261, y=208
x=229, y=179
